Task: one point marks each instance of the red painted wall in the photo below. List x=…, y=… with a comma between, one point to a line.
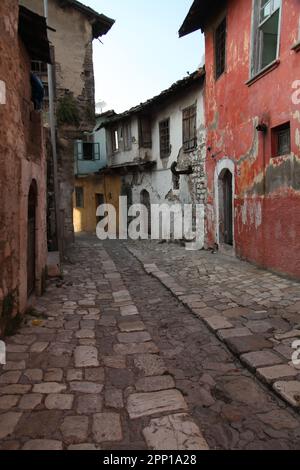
x=267, y=190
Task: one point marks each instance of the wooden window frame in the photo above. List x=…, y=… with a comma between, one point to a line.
x=164, y=138
x=256, y=66
x=220, y=49
x=275, y=134
x=189, y=115
x=127, y=137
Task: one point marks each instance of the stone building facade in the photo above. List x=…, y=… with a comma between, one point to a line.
x=158, y=148
x=73, y=29
x=23, y=244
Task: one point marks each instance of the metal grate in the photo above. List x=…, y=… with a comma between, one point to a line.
x=164, y=138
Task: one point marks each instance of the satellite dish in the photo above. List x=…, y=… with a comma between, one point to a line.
x=100, y=106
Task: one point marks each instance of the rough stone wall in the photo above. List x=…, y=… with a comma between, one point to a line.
x=75, y=90
x=22, y=160
x=267, y=188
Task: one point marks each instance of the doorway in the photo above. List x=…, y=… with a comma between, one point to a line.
x=145, y=200
x=31, y=239
x=225, y=184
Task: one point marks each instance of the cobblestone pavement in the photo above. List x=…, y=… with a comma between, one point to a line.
x=233, y=408
x=254, y=312
x=87, y=375
x=119, y=362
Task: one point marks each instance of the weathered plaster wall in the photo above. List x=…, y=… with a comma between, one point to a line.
x=85, y=218
x=158, y=182
x=22, y=160
x=74, y=77
x=124, y=156
x=267, y=190
x=109, y=186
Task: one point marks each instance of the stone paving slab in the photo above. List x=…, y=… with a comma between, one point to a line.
x=174, y=432
x=261, y=359
x=289, y=390
x=145, y=404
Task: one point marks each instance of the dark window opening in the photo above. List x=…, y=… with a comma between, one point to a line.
x=189, y=128
x=164, y=138
x=88, y=151
x=39, y=67
x=281, y=140
x=79, y=194
x=220, y=48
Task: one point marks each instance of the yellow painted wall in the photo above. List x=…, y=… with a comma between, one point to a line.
x=109, y=185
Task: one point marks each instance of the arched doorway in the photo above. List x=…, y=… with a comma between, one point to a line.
x=31, y=238
x=225, y=185
x=145, y=200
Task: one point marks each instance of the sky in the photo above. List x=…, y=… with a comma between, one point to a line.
x=142, y=53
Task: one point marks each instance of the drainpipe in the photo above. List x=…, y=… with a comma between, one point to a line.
x=53, y=145
x=263, y=128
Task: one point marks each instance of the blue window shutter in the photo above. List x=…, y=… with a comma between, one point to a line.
x=78, y=150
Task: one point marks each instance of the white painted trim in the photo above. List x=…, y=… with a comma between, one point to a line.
x=224, y=164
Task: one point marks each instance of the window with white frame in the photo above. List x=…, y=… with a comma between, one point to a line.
x=266, y=31
x=115, y=139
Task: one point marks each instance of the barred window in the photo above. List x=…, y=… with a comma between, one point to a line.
x=164, y=138
x=189, y=128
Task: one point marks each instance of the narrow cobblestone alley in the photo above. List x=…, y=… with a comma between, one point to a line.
x=87, y=375
x=111, y=359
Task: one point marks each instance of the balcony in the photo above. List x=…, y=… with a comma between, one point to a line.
x=87, y=158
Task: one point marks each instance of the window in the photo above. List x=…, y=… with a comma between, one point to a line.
x=145, y=132
x=266, y=34
x=79, y=197
x=281, y=140
x=39, y=67
x=220, y=48
x=189, y=128
x=164, y=138
x=115, y=140
x=88, y=151
x=126, y=133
